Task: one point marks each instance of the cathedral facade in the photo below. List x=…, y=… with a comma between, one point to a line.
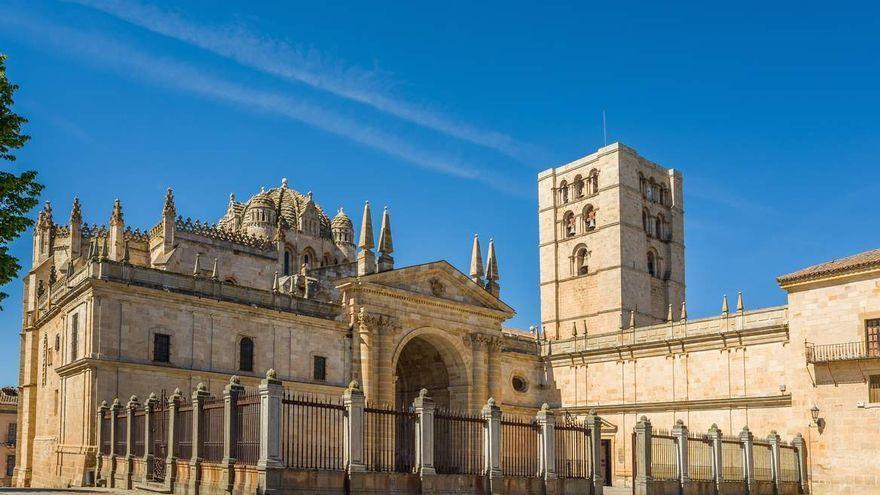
x=276, y=283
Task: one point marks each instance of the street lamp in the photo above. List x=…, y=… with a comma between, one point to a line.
x=814, y=412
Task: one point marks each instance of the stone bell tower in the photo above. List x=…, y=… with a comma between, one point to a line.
x=611, y=230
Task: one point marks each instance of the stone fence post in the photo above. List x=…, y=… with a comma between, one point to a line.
x=492, y=440
x=231, y=393
x=546, y=443
x=171, y=457
x=716, y=436
x=149, y=454
x=199, y=395
x=595, y=424
x=424, y=409
x=353, y=428
x=269, y=466
x=642, y=479
x=745, y=436
x=774, y=441
x=114, y=410
x=99, y=431
x=800, y=448
x=130, y=408
x=680, y=432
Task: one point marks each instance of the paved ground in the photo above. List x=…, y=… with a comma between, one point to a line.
x=53, y=491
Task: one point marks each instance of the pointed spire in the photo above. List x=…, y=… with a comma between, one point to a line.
x=669, y=314
x=386, y=246
x=215, y=273
x=725, y=309
x=684, y=312
x=116, y=215
x=476, y=261
x=231, y=207
x=275, y=285
x=93, y=249
x=365, y=241
x=632, y=319
x=491, y=263
x=44, y=218
x=739, y=302
x=197, y=268
x=76, y=213
x=168, y=209
x=574, y=329
x=105, y=252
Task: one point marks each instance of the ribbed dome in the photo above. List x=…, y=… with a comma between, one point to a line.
x=287, y=202
x=341, y=221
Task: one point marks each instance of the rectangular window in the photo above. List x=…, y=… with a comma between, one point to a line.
x=161, y=348
x=10, y=433
x=10, y=464
x=874, y=389
x=319, y=371
x=74, y=338
x=872, y=337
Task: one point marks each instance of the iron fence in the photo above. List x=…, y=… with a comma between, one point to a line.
x=789, y=469
x=121, y=422
x=211, y=430
x=458, y=442
x=573, y=449
x=247, y=432
x=106, y=447
x=732, y=459
x=763, y=457
x=664, y=457
x=183, y=432
x=389, y=439
x=312, y=432
x=701, y=455
x=138, y=422
x=159, y=435
x=519, y=446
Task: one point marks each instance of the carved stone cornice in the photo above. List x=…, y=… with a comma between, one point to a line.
x=481, y=342
x=375, y=323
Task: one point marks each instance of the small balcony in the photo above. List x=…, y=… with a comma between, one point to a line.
x=846, y=351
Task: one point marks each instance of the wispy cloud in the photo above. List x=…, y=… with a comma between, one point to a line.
x=174, y=74
x=710, y=192
x=307, y=66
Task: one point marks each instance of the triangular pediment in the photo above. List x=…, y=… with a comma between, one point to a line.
x=437, y=280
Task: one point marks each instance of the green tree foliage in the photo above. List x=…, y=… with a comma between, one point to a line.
x=18, y=193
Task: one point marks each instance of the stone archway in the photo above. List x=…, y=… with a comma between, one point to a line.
x=426, y=361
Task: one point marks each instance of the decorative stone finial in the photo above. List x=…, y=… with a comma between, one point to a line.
x=491, y=263
x=201, y=387
x=284, y=183
x=669, y=314
x=476, y=272
x=643, y=418
x=197, y=268
x=739, y=302
x=385, y=244
x=133, y=398
x=152, y=396
x=365, y=241
x=679, y=422
x=215, y=273
x=275, y=285
x=76, y=213
x=592, y=412
x=632, y=319
x=725, y=309
x=714, y=426
x=490, y=402
x=423, y=393
x=545, y=407
x=169, y=210
x=684, y=312
x=745, y=428
x=234, y=380
x=271, y=374
x=103, y=403
x=116, y=215
x=354, y=385
x=176, y=391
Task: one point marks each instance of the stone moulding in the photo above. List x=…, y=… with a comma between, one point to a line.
x=760, y=401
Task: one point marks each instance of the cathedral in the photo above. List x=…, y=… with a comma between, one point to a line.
x=276, y=283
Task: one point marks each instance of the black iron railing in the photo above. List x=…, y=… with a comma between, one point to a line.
x=573, y=449
x=312, y=432
x=389, y=439
x=458, y=442
x=247, y=440
x=211, y=430
x=519, y=446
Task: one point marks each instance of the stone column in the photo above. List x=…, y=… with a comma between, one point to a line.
x=170, y=458
x=680, y=432
x=424, y=409
x=353, y=428
x=717, y=461
x=800, y=448
x=745, y=436
x=368, y=332
x=269, y=466
x=492, y=440
x=546, y=443
x=199, y=395
x=597, y=475
x=642, y=480
x=130, y=408
x=231, y=393
x=149, y=455
x=99, y=431
x=494, y=349
x=114, y=410
x=479, y=369
x=774, y=440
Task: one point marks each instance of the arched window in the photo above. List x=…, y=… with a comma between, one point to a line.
x=652, y=264
x=581, y=261
x=286, y=262
x=645, y=220
x=643, y=185
x=563, y=192
x=578, y=187
x=651, y=189
x=246, y=354
x=664, y=196
x=569, y=224
x=594, y=181
x=589, y=216
x=658, y=226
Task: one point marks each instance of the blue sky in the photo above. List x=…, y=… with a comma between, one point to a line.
x=447, y=111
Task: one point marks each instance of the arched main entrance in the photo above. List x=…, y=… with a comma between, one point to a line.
x=428, y=362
